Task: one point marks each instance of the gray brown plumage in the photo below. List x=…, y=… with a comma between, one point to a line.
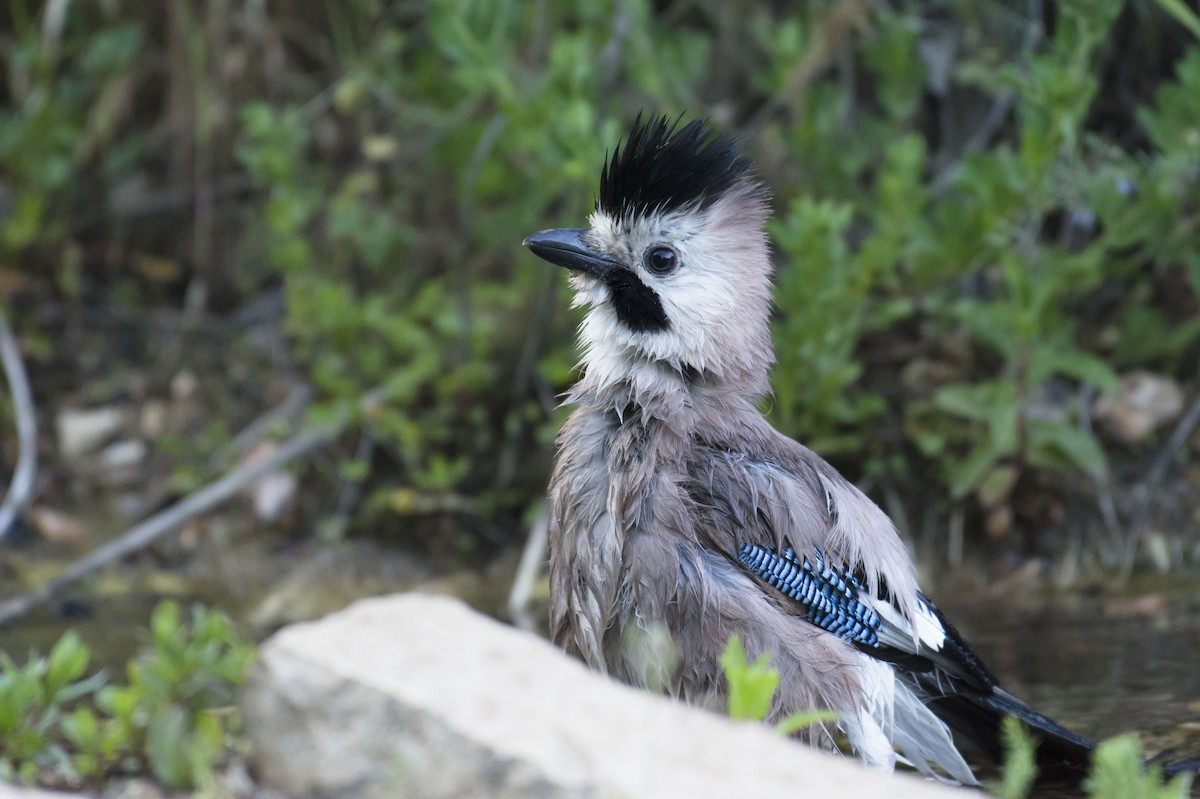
x=675, y=506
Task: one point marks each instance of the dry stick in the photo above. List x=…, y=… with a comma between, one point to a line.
x=21, y=488
x=1157, y=471
x=145, y=533
x=533, y=558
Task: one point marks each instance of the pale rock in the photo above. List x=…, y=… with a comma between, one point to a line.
x=54, y=525
x=184, y=386
x=418, y=696
x=153, y=418
x=120, y=463
x=274, y=494
x=81, y=432
x=124, y=454
x=1144, y=402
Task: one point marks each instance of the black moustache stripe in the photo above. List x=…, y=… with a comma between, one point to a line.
x=636, y=304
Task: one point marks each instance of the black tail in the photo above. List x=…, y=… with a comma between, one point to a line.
x=1062, y=755
x=1060, y=752
x=1189, y=766
x=977, y=722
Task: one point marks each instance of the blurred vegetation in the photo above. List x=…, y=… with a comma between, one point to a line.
x=174, y=718
x=1117, y=770
x=751, y=688
x=985, y=212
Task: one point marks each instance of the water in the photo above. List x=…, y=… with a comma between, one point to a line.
x=1100, y=667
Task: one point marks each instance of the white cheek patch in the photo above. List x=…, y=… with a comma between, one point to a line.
x=589, y=292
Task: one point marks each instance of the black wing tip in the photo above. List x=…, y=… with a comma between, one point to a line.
x=1176, y=767
x=664, y=165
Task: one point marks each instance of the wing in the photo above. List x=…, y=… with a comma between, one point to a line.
x=929, y=654
x=830, y=556
x=831, y=597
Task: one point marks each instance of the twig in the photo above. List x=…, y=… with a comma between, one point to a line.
x=523, y=374
x=1105, y=502
x=293, y=405
x=999, y=110
x=21, y=488
x=1158, y=470
x=145, y=533
x=160, y=524
x=533, y=556
x=351, y=487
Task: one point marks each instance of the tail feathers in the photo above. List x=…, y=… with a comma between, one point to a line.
x=975, y=716
x=1062, y=755
x=1189, y=766
x=924, y=741
x=1060, y=749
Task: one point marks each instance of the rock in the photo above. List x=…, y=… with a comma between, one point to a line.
x=81, y=432
x=16, y=792
x=120, y=463
x=54, y=525
x=275, y=492
x=136, y=788
x=184, y=386
x=153, y=418
x=1144, y=402
x=124, y=454
x=418, y=696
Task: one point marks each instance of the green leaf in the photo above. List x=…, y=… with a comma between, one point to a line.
x=1058, y=444
x=1118, y=772
x=167, y=747
x=997, y=485
x=1183, y=15
x=1046, y=361
x=82, y=729
x=1020, y=765
x=970, y=473
x=794, y=722
x=68, y=662
x=751, y=685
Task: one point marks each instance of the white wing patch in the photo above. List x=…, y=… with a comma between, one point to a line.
x=925, y=630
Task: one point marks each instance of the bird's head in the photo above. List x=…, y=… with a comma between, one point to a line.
x=674, y=268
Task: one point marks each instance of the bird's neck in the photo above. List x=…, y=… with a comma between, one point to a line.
x=639, y=390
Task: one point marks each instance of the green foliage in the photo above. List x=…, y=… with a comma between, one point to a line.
x=1118, y=769
x=1118, y=772
x=64, y=105
x=1020, y=764
x=956, y=277
x=33, y=700
x=173, y=718
x=751, y=688
x=967, y=257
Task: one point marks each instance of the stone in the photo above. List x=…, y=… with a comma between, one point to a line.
x=124, y=454
x=419, y=696
x=1144, y=402
x=57, y=526
x=274, y=494
x=81, y=432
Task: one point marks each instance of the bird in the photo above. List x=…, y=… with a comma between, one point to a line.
x=676, y=507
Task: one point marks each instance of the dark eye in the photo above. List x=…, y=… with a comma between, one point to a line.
x=662, y=260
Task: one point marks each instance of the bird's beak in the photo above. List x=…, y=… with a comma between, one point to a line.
x=566, y=247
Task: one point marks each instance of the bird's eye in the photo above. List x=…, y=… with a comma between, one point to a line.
x=662, y=260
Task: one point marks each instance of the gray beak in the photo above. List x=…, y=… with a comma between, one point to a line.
x=566, y=247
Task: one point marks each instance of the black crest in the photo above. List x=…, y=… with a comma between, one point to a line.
x=663, y=167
